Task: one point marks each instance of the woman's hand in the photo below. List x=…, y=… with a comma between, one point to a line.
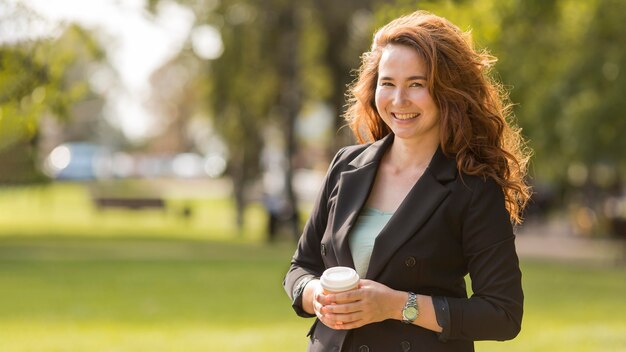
x=314, y=300
x=371, y=302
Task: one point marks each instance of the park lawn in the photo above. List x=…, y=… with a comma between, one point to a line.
x=75, y=279
x=570, y=307
x=190, y=295
x=143, y=295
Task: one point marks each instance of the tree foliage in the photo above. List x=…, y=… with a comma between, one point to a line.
x=563, y=59
x=40, y=77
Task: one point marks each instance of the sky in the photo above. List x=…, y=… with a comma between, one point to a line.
x=136, y=41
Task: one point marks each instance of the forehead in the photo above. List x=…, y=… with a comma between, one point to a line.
x=401, y=60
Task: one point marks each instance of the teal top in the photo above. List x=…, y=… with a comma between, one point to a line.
x=367, y=227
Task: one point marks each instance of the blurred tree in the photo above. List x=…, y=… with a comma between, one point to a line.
x=347, y=30
x=591, y=95
x=529, y=50
x=252, y=82
x=272, y=49
x=246, y=84
x=564, y=59
x=38, y=77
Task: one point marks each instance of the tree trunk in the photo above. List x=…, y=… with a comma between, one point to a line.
x=238, y=175
x=290, y=101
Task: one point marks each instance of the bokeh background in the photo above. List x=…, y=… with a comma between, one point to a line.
x=158, y=160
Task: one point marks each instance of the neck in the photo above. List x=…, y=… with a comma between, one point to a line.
x=404, y=155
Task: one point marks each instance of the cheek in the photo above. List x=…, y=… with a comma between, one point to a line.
x=422, y=96
x=425, y=99
x=380, y=99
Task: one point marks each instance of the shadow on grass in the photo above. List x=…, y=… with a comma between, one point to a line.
x=140, y=248
x=142, y=281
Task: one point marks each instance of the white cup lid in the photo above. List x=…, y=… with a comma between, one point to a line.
x=339, y=278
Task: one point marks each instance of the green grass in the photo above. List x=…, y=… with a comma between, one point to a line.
x=149, y=281
x=66, y=210
x=140, y=295
x=570, y=307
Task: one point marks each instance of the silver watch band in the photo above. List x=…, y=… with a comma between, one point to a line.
x=410, y=311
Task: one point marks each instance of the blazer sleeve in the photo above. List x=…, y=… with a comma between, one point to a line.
x=307, y=262
x=494, y=311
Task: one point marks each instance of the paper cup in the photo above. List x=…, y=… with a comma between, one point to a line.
x=339, y=279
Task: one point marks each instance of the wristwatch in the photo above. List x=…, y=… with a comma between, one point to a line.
x=410, y=312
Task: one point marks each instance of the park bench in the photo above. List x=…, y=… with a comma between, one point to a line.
x=133, y=196
x=129, y=203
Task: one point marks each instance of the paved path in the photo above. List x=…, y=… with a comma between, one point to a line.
x=556, y=241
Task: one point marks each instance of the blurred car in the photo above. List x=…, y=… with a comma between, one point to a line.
x=74, y=161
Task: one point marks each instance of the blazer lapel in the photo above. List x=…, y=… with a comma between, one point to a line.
x=421, y=201
x=354, y=188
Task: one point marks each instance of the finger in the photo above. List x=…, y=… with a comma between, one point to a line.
x=323, y=317
x=325, y=299
x=344, y=318
x=343, y=308
x=319, y=310
x=347, y=326
x=348, y=297
x=365, y=283
x=330, y=320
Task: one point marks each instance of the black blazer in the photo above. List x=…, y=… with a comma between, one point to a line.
x=448, y=225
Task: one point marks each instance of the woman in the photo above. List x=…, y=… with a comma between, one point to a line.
x=429, y=196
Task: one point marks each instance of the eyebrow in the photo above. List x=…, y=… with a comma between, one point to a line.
x=412, y=78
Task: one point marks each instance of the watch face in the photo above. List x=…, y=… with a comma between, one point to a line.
x=410, y=313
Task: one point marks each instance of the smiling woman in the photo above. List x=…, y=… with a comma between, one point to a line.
x=403, y=99
x=429, y=197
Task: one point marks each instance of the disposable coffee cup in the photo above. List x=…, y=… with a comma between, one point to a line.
x=339, y=279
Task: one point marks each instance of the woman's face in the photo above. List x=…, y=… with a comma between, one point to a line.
x=402, y=97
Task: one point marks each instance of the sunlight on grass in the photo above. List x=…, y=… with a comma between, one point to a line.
x=204, y=296
x=67, y=210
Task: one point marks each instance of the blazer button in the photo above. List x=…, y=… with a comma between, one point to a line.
x=405, y=345
x=410, y=262
x=324, y=250
x=364, y=348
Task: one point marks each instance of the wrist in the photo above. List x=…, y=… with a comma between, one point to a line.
x=397, y=304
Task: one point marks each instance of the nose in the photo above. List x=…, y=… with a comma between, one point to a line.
x=399, y=97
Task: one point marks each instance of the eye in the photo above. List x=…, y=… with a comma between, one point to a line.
x=385, y=84
x=416, y=84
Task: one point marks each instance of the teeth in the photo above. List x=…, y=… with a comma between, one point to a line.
x=405, y=116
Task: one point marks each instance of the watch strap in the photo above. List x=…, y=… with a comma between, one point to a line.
x=411, y=304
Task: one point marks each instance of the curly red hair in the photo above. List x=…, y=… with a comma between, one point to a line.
x=476, y=118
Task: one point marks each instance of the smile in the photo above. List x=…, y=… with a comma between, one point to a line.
x=405, y=116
